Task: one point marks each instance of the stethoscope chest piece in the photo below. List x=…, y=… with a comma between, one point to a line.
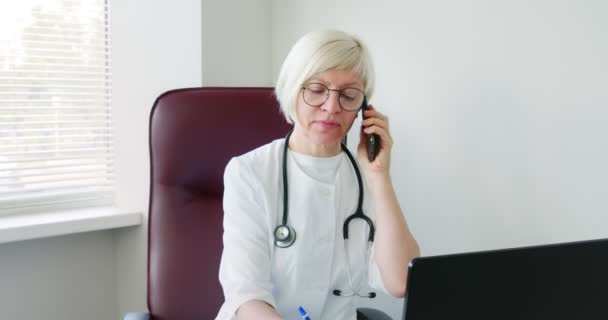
x=284, y=236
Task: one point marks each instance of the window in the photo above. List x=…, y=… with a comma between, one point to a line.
x=55, y=117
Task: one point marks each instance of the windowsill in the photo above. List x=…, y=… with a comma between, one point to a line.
x=50, y=224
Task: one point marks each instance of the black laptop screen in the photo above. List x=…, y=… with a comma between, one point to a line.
x=564, y=281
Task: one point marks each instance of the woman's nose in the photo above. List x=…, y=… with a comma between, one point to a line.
x=332, y=104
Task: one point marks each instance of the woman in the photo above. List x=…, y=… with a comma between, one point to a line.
x=284, y=252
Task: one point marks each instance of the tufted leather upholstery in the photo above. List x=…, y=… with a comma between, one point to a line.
x=193, y=134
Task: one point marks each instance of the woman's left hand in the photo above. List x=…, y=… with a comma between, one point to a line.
x=377, y=123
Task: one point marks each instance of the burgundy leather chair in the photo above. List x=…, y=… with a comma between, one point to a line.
x=193, y=134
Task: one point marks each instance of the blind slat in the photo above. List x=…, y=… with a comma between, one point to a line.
x=87, y=135
x=51, y=144
x=69, y=57
x=56, y=86
x=28, y=146
x=56, y=72
x=58, y=114
x=63, y=22
x=24, y=93
x=52, y=186
x=58, y=27
x=65, y=13
x=67, y=164
x=50, y=123
x=48, y=65
x=76, y=188
x=99, y=196
x=65, y=175
x=63, y=100
x=68, y=44
x=69, y=53
x=86, y=129
x=101, y=157
x=54, y=80
x=56, y=184
x=57, y=151
x=29, y=35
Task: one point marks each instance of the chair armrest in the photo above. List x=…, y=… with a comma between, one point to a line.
x=137, y=316
x=371, y=314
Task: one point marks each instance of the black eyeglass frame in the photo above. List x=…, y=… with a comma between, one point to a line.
x=339, y=91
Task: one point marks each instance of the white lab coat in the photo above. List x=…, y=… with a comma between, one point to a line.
x=306, y=273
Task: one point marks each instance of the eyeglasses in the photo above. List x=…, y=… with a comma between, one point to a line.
x=350, y=99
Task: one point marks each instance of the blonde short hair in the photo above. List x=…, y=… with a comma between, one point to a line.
x=315, y=53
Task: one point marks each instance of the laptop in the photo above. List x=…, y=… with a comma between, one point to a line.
x=565, y=281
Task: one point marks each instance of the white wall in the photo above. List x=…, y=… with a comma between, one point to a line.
x=168, y=48
x=231, y=48
x=236, y=43
x=61, y=278
x=156, y=46
x=497, y=109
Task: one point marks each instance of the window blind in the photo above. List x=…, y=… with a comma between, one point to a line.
x=55, y=118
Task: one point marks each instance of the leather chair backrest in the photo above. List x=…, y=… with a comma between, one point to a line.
x=193, y=134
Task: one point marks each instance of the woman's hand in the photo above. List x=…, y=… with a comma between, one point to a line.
x=375, y=122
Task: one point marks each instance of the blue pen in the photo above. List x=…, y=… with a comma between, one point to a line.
x=303, y=313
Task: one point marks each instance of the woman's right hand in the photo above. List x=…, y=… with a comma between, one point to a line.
x=257, y=310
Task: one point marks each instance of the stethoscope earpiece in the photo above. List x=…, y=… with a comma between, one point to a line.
x=339, y=293
x=284, y=236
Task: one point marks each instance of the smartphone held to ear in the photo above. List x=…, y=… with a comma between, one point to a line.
x=372, y=141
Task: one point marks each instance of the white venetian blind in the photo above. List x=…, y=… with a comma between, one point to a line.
x=55, y=117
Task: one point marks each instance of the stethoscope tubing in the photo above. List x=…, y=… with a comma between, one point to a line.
x=285, y=235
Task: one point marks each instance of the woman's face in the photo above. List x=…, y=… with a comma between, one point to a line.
x=325, y=126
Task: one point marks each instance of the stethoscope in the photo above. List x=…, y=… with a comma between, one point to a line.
x=285, y=236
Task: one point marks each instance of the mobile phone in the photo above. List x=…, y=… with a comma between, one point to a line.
x=372, y=141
